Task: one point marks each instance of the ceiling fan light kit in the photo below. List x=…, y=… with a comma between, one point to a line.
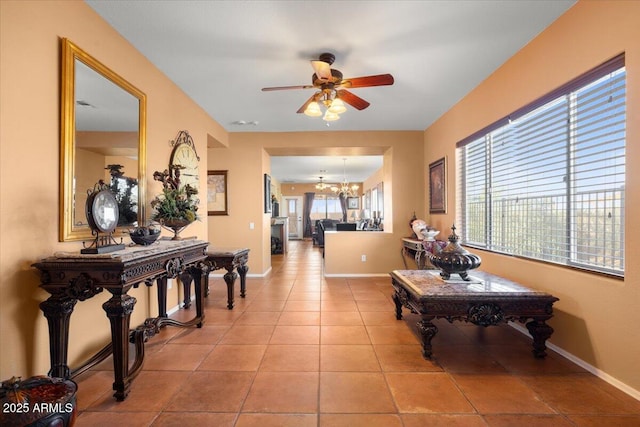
x=330, y=117
x=313, y=110
x=331, y=92
x=337, y=106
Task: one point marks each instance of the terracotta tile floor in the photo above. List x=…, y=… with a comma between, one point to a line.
x=302, y=350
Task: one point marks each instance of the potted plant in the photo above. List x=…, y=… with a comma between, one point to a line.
x=176, y=207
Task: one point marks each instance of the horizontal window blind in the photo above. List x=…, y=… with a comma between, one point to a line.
x=549, y=185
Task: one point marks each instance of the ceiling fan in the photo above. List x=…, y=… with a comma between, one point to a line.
x=332, y=89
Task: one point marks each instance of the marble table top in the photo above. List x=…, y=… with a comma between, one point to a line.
x=133, y=252
x=481, y=284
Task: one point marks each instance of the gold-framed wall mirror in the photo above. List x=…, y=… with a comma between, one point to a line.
x=103, y=136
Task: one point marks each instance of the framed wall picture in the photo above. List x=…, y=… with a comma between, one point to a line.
x=438, y=186
x=380, y=188
x=267, y=193
x=217, y=193
x=353, y=203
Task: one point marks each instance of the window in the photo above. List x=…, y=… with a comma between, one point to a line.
x=548, y=182
x=326, y=207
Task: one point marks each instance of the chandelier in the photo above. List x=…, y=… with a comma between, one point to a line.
x=321, y=185
x=333, y=105
x=348, y=190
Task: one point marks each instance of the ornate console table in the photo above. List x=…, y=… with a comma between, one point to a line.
x=419, y=250
x=73, y=277
x=485, y=300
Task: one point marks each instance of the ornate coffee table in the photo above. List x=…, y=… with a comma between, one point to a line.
x=485, y=300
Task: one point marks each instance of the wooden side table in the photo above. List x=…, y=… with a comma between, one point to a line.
x=230, y=259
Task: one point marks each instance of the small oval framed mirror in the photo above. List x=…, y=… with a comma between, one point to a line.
x=103, y=137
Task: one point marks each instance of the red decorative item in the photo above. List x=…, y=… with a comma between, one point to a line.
x=38, y=401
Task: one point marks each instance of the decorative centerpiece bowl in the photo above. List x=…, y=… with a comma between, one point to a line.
x=144, y=235
x=454, y=259
x=429, y=234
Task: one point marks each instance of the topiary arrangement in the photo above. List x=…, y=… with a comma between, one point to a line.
x=176, y=204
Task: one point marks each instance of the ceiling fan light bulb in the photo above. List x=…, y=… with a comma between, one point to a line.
x=330, y=117
x=313, y=110
x=337, y=106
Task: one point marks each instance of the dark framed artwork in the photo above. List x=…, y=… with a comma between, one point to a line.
x=267, y=193
x=438, y=186
x=217, y=193
x=353, y=203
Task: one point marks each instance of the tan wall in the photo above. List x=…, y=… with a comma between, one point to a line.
x=247, y=158
x=591, y=315
x=30, y=35
x=373, y=180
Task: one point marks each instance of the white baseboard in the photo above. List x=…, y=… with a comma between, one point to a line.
x=173, y=310
x=357, y=275
x=588, y=367
x=259, y=276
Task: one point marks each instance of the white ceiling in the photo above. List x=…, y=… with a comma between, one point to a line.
x=221, y=53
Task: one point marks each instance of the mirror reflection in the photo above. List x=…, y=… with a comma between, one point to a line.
x=103, y=138
x=106, y=139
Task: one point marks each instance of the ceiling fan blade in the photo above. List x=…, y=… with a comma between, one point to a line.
x=351, y=99
x=268, y=89
x=322, y=69
x=304, y=106
x=377, y=80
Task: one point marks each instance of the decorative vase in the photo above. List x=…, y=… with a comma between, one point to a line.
x=38, y=401
x=175, y=225
x=454, y=259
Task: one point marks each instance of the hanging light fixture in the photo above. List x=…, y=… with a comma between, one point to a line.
x=321, y=185
x=349, y=190
x=333, y=105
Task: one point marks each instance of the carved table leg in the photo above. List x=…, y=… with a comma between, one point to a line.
x=398, y=303
x=206, y=269
x=196, y=273
x=540, y=332
x=186, y=280
x=230, y=279
x=161, y=283
x=58, y=312
x=418, y=259
x=242, y=270
x=427, y=331
x=119, y=309
x=403, y=254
